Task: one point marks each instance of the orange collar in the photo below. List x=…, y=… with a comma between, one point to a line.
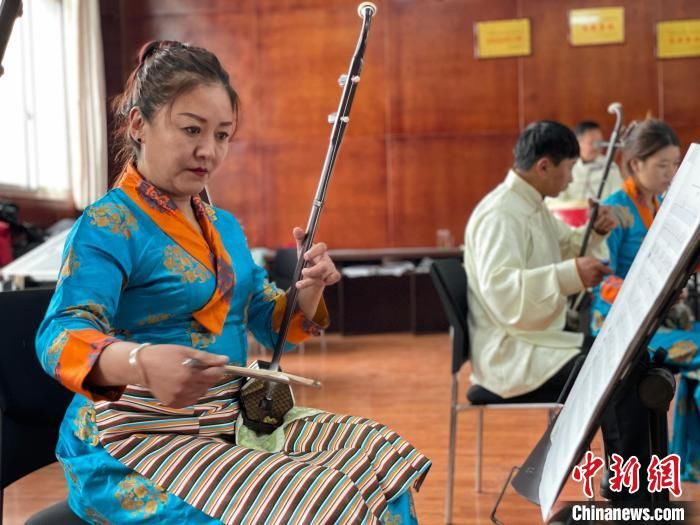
x=630, y=188
x=208, y=250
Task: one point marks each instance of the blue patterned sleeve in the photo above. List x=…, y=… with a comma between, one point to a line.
x=95, y=268
x=266, y=302
x=266, y=309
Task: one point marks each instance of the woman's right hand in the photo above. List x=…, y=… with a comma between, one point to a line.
x=175, y=384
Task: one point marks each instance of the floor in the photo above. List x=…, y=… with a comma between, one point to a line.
x=403, y=381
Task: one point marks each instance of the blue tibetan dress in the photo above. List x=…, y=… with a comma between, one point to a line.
x=134, y=269
x=682, y=345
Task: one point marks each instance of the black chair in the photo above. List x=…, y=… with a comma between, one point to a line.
x=450, y=281
x=32, y=404
x=282, y=274
x=283, y=265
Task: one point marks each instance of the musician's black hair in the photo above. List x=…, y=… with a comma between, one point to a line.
x=585, y=125
x=646, y=139
x=545, y=138
x=165, y=70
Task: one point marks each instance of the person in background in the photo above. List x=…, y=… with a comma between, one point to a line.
x=588, y=169
x=651, y=157
x=571, y=205
x=522, y=264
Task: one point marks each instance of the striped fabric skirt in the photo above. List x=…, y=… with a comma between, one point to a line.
x=331, y=468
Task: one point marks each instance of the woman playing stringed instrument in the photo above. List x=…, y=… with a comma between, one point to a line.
x=153, y=277
x=652, y=155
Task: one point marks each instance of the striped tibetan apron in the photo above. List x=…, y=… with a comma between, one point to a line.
x=331, y=469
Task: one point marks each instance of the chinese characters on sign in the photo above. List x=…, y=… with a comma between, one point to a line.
x=678, y=39
x=665, y=474
x=502, y=38
x=662, y=474
x=599, y=26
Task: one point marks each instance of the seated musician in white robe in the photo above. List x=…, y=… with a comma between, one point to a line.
x=522, y=264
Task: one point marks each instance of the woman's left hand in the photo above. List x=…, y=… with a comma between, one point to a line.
x=320, y=270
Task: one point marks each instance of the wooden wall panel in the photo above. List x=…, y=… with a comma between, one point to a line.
x=148, y=8
x=236, y=187
x=289, y=5
x=680, y=76
x=687, y=133
x=238, y=54
x=355, y=212
x=569, y=84
x=435, y=183
x=112, y=42
x=302, y=54
x=437, y=86
x=432, y=127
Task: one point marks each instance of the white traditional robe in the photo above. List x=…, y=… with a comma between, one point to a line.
x=520, y=270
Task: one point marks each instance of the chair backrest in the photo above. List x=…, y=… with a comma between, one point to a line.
x=450, y=281
x=32, y=404
x=283, y=267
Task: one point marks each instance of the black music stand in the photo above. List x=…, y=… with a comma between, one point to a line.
x=656, y=389
x=657, y=385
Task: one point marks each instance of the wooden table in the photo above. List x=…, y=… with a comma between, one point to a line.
x=385, y=303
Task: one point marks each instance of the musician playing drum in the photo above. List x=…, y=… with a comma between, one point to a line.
x=152, y=277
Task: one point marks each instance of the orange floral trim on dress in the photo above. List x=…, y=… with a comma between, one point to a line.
x=73, y=367
x=208, y=250
x=630, y=188
x=300, y=326
x=610, y=288
x=611, y=285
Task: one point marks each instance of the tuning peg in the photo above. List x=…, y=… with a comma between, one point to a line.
x=343, y=79
x=334, y=116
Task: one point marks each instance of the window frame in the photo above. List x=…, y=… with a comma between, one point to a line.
x=34, y=186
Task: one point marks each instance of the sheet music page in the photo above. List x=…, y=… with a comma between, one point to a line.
x=673, y=233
